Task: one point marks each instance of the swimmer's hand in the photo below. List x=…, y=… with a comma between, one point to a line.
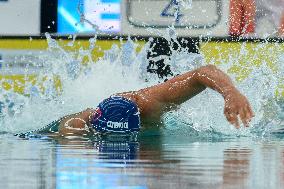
x=237, y=107
x=75, y=124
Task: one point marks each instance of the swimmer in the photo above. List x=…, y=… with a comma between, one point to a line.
x=128, y=111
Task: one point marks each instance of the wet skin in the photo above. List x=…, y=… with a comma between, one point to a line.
x=155, y=100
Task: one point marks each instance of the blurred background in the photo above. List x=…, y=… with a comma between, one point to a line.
x=259, y=18
x=215, y=18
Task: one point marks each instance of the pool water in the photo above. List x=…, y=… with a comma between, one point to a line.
x=152, y=161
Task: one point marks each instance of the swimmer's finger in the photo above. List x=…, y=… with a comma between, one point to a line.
x=236, y=121
x=249, y=114
x=244, y=115
x=233, y=119
x=249, y=109
x=229, y=116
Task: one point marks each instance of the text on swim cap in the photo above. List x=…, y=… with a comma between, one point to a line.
x=116, y=125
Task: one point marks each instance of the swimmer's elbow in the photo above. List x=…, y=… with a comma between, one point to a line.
x=206, y=69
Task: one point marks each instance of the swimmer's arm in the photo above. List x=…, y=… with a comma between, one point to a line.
x=75, y=124
x=183, y=87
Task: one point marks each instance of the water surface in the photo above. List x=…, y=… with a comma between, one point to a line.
x=151, y=161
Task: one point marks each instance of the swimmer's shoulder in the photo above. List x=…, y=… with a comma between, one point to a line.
x=150, y=109
x=131, y=95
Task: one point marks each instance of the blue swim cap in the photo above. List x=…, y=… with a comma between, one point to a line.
x=117, y=115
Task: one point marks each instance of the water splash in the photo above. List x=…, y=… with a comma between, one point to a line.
x=124, y=69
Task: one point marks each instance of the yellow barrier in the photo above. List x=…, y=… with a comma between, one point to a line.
x=17, y=82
